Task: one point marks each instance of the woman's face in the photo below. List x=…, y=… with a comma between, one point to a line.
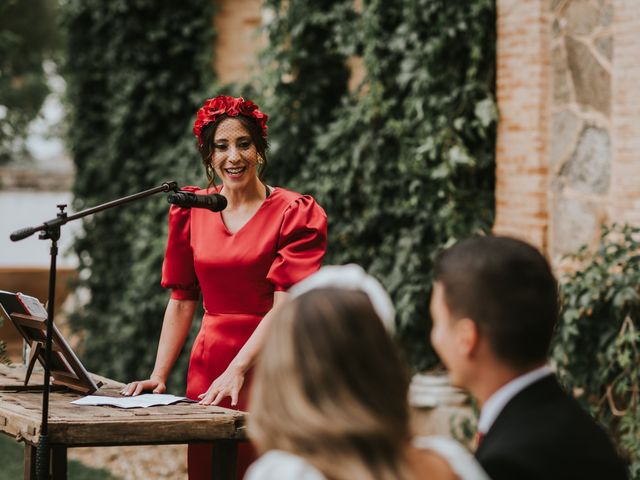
x=234, y=157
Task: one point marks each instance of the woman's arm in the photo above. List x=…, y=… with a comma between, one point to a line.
x=175, y=328
x=230, y=382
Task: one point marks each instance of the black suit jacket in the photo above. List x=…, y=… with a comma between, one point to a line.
x=543, y=433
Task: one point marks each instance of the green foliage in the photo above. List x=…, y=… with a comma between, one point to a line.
x=305, y=77
x=137, y=72
x=403, y=165
x=12, y=455
x=23, y=85
x=408, y=165
x=463, y=427
x=597, y=342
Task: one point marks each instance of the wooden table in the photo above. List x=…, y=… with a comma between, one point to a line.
x=84, y=426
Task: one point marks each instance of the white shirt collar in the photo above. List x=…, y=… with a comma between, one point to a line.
x=496, y=402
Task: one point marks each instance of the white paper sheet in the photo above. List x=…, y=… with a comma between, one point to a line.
x=139, y=401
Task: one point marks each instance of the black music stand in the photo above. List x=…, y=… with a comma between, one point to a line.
x=50, y=230
x=30, y=319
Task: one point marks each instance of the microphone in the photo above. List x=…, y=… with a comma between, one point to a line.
x=214, y=201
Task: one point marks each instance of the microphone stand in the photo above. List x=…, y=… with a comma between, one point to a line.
x=50, y=230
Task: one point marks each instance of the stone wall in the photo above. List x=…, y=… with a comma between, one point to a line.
x=569, y=135
x=580, y=150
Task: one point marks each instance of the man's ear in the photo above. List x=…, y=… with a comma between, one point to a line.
x=468, y=336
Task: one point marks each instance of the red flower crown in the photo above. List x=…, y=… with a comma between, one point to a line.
x=223, y=104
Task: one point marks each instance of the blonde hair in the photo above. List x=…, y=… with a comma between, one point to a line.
x=330, y=387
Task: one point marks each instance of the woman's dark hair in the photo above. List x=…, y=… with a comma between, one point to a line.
x=208, y=135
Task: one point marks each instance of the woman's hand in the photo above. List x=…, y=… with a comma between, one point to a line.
x=226, y=385
x=154, y=383
x=230, y=382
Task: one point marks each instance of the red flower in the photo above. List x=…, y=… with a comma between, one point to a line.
x=223, y=104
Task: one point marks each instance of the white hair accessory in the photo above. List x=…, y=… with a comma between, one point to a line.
x=351, y=277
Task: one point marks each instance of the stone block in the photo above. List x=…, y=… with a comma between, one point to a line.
x=554, y=4
x=591, y=81
x=565, y=126
x=556, y=29
x=605, y=46
x=561, y=87
x=589, y=168
x=575, y=224
x=582, y=17
x=606, y=15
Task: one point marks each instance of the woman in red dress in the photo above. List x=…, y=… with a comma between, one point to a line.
x=242, y=260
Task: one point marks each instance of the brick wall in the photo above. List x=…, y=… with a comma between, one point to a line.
x=238, y=39
x=625, y=173
x=568, y=148
x=523, y=83
x=568, y=91
x=237, y=24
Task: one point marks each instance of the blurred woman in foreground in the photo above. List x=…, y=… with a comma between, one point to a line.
x=330, y=393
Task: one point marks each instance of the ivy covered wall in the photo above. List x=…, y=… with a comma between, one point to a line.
x=406, y=163
x=305, y=78
x=596, y=349
x=403, y=165
x=137, y=71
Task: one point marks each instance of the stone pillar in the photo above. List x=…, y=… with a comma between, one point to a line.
x=580, y=131
x=568, y=150
x=523, y=89
x=437, y=408
x=625, y=111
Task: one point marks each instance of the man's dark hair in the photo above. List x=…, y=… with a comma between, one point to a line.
x=507, y=288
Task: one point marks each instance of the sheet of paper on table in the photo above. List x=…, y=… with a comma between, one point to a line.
x=139, y=401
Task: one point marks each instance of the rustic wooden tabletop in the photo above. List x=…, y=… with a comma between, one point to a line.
x=75, y=425
x=78, y=426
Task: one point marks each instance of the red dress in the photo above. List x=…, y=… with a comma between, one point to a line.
x=283, y=243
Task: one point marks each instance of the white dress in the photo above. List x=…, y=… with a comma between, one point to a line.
x=279, y=465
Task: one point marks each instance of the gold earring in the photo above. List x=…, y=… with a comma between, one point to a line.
x=211, y=172
x=260, y=159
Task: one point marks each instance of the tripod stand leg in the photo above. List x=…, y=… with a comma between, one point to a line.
x=33, y=356
x=59, y=462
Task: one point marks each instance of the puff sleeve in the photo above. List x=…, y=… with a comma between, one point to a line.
x=302, y=243
x=178, y=272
